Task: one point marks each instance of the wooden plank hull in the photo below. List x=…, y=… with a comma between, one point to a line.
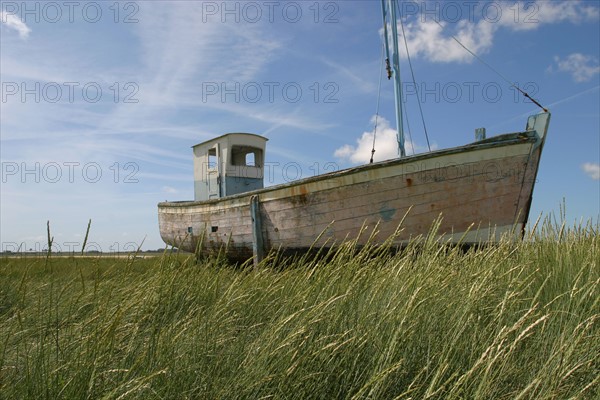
x=480, y=191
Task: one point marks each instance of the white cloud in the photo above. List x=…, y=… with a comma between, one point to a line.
x=386, y=145
x=574, y=11
x=426, y=39
x=529, y=15
x=14, y=22
x=169, y=189
x=476, y=28
x=581, y=67
x=592, y=170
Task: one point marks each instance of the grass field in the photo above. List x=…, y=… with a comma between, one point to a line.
x=511, y=321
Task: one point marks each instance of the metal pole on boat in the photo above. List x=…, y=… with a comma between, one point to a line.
x=258, y=247
x=397, y=81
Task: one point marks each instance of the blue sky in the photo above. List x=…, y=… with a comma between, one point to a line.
x=101, y=101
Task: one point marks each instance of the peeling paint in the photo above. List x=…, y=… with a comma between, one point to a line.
x=387, y=213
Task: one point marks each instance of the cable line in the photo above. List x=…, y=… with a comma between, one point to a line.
x=414, y=83
x=493, y=70
x=378, y=101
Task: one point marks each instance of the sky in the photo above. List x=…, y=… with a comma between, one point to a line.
x=102, y=100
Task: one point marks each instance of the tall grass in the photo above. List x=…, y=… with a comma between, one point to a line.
x=510, y=321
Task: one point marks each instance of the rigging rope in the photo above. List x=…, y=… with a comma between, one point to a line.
x=493, y=70
x=410, y=141
x=414, y=83
x=378, y=101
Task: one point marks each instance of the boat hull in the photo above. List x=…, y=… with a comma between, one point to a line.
x=477, y=192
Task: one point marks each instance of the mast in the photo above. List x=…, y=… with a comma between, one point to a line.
x=395, y=69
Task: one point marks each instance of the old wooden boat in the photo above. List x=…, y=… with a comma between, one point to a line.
x=481, y=191
x=485, y=188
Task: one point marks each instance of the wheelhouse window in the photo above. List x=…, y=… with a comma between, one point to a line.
x=246, y=156
x=250, y=159
x=212, y=158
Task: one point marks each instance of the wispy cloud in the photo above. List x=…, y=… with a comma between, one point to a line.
x=169, y=190
x=386, y=145
x=13, y=22
x=574, y=11
x=592, y=170
x=175, y=47
x=581, y=67
x=573, y=96
x=175, y=54
x=359, y=81
x=430, y=40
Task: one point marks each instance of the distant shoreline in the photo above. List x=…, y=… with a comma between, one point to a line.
x=92, y=254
